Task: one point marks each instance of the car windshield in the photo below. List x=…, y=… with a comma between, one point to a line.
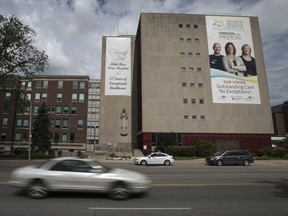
x=219, y=153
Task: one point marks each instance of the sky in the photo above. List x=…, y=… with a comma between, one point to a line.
x=71, y=31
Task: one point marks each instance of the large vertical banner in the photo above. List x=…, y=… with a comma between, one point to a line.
x=118, y=66
x=232, y=62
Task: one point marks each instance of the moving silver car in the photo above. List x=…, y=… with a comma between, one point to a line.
x=74, y=174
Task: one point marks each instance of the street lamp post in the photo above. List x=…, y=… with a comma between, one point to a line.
x=30, y=132
x=94, y=138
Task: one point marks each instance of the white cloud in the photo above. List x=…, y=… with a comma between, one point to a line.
x=71, y=30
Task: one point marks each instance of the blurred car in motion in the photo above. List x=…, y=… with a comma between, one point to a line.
x=74, y=174
x=155, y=158
x=231, y=157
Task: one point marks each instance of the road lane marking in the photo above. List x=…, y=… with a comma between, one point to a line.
x=210, y=184
x=149, y=209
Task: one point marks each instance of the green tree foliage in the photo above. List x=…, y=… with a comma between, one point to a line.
x=40, y=133
x=18, y=55
x=204, y=148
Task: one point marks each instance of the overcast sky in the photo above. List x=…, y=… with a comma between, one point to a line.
x=70, y=31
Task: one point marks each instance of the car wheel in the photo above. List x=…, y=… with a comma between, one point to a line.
x=246, y=163
x=167, y=162
x=219, y=162
x=119, y=191
x=143, y=162
x=37, y=189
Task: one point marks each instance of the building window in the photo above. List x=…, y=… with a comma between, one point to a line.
x=200, y=85
x=72, y=138
x=58, y=110
x=183, y=69
x=190, y=54
x=82, y=85
x=36, y=108
x=185, y=100
x=25, y=123
x=191, y=69
x=45, y=84
x=182, y=54
x=60, y=84
x=81, y=97
x=184, y=84
x=66, y=110
x=37, y=97
x=194, y=117
x=29, y=84
x=74, y=97
x=193, y=101
x=59, y=97
x=17, y=136
x=44, y=97
x=51, y=122
x=94, y=85
x=198, y=55
x=181, y=40
x=197, y=40
x=195, y=26
x=91, y=110
x=19, y=123
x=65, y=123
x=201, y=101
x=192, y=84
x=38, y=83
x=3, y=136
x=189, y=40
x=186, y=117
x=73, y=110
x=188, y=26
x=56, y=137
x=80, y=123
x=57, y=123
x=199, y=70
x=64, y=138
x=180, y=25
x=75, y=84
x=8, y=96
x=202, y=117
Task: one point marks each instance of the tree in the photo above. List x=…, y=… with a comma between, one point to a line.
x=40, y=132
x=18, y=55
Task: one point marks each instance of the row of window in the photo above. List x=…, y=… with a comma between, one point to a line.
x=189, y=54
x=194, y=117
x=64, y=123
x=187, y=26
x=189, y=40
x=190, y=69
x=193, y=101
x=200, y=85
x=60, y=84
x=56, y=137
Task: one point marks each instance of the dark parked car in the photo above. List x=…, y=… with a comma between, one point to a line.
x=231, y=157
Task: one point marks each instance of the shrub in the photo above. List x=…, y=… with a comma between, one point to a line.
x=204, y=148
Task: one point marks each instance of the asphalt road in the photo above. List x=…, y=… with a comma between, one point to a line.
x=186, y=188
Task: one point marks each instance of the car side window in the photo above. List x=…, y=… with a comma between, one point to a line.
x=71, y=166
x=161, y=155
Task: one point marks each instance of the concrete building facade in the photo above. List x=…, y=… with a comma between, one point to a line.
x=177, y=90
x=176, y=94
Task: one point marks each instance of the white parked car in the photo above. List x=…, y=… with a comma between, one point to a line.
x=74, y=174
x=155, y=158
